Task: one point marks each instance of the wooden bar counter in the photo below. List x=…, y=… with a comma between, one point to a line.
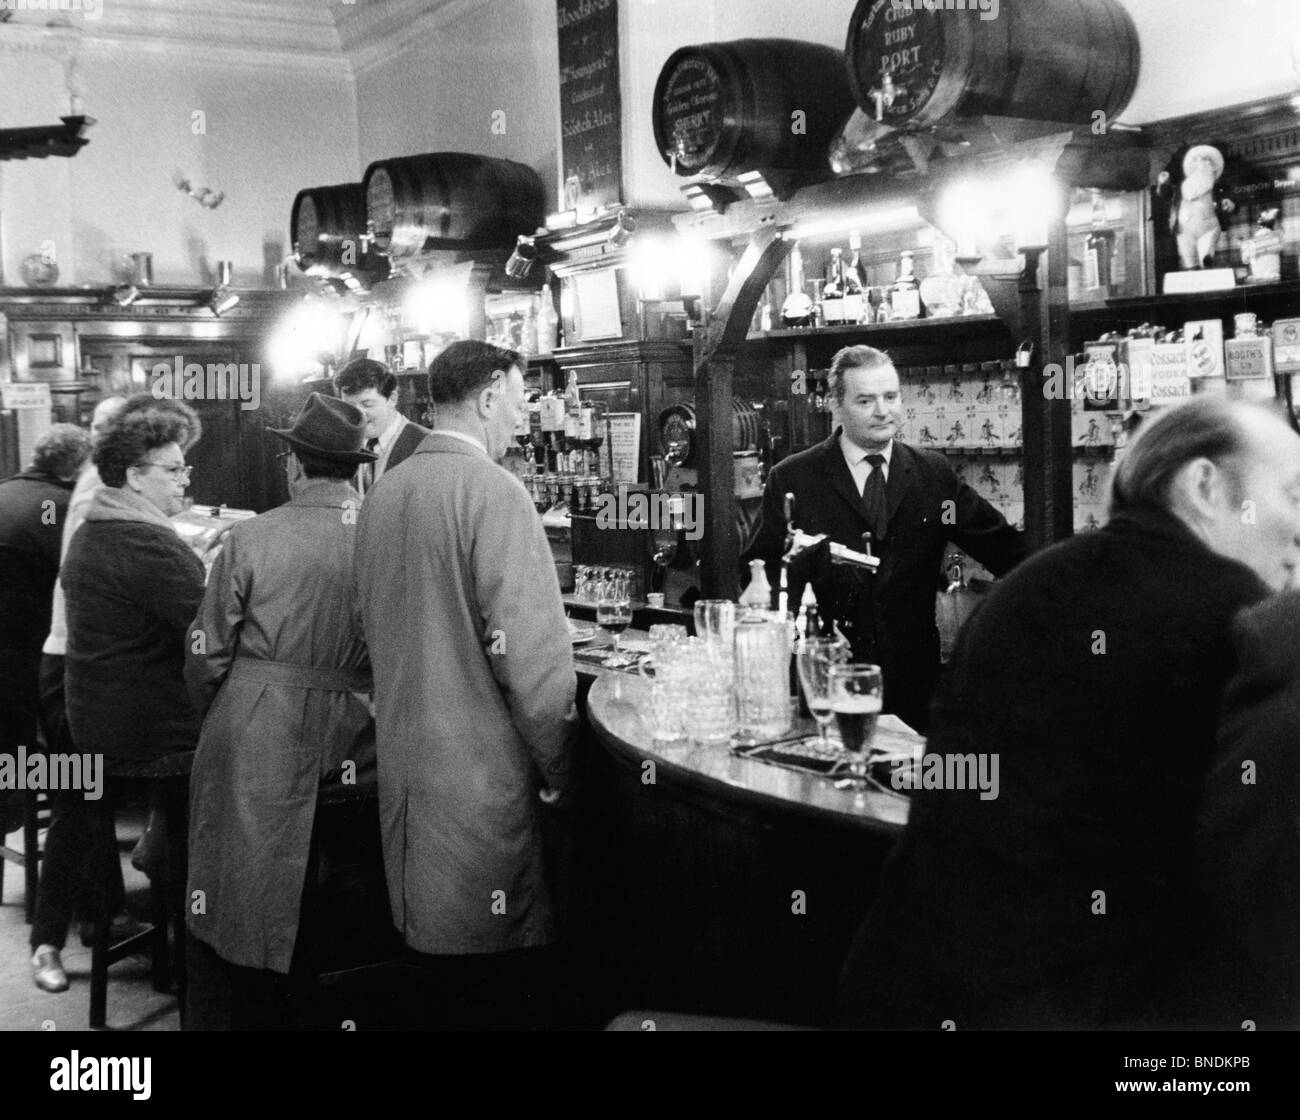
x=709, y=883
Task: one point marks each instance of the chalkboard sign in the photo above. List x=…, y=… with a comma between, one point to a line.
x=591, y=118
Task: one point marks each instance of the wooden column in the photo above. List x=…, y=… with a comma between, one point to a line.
x=715, y=361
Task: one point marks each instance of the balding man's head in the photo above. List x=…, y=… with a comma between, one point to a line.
x=108, y=410
x=1230, y=471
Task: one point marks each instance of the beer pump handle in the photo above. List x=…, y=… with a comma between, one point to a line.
x=788, y=503
x=867, y=538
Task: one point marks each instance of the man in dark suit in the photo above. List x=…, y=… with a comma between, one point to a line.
x=863, y=479
x=367, y=385
x=1248, y=832
x=1091, y=676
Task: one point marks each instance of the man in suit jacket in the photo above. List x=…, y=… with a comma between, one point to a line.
x=1248, y=832
x=474, y=694
x=390, y=436
x=1091, y=677
x=889, y=615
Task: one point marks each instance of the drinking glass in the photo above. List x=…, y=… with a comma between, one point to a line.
x=763, y=677
x=614, y=615
x=855, y=692
x=710, y=699
x=715, y=621
x=671, y=684
x=815, y=658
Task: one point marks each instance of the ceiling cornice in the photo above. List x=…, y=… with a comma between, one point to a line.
x=373, y=34
x=286, y=34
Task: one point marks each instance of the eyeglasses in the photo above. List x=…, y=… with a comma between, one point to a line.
x=182, y=473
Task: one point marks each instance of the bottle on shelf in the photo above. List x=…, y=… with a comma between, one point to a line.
x=572, y=417
x=833, y=290
x=941, y=291
x=855, y=283
x=797, y=310
x=905, y=292
x=1099, y=252
x=758, y=594
x=552, y=424
x=546, y=322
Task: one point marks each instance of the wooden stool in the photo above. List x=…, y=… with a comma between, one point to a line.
x=167, y=781
x=36, y=816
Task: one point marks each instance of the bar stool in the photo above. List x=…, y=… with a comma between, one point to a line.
x=36, y=816
x=166, y=780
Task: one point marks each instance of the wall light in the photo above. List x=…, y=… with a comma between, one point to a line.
x=125, y=294
x=622, y=231
x=309, y=330
x=221, y=301
x=439, y=304
x=521, y=260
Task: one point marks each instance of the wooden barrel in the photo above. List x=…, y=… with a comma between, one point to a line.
x=677, y=431
x=450, y=200
x=1053, y=60
x=725, y=108
x=326, y=227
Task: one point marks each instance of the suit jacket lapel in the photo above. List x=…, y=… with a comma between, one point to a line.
x=839, y=478
x=898, y=482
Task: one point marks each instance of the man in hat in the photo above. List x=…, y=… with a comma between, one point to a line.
x=282, y=676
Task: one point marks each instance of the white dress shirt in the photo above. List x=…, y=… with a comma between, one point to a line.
x=856, y=458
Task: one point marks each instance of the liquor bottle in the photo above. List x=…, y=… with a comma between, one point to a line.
x=1099, y=254
x=833, y=290
x=572, y=413
x=759, y=592
x=552, y=422
x=546, y=323
x=905, y=292
x=797, y=310
x=855, y=283
x=941, y=291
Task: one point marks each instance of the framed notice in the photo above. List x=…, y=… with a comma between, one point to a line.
x=591, y=121
x=625, y=446
x=596, y=311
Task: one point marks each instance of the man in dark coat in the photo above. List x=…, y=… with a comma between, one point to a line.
x=1248, y=832
x=32, y=508
x=1091, y=676
x=889, y=616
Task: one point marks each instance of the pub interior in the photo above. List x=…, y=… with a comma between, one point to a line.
x=779, y=361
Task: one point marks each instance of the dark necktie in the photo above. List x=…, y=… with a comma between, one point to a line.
x=873, y=495
x=367, y=479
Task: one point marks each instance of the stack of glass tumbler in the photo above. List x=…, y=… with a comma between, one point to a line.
x=732, y=679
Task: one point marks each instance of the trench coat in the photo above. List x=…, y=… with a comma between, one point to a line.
x=474, y=697
x=278, y=678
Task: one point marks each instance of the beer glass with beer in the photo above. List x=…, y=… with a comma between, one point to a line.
x=856, y=691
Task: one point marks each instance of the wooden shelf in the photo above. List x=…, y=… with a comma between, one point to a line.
x=932, y=327
x=1145, y=307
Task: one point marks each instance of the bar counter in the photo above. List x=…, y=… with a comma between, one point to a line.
x=708, y=883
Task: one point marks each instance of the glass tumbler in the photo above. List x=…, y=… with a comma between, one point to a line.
x=710, y=698
x=762, y=678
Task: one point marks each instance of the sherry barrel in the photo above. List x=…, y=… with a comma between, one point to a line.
x=721, y=109
x=1053, y=60
x=450, y=200
x=326, y=228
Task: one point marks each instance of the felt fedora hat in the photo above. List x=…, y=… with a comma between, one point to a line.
x=329, y=429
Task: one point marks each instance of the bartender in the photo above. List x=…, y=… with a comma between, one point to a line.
x=865, y=480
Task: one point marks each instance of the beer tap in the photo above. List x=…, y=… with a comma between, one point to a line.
x=797, y=543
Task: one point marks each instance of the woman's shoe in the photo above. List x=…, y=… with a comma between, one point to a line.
x=47, y=969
